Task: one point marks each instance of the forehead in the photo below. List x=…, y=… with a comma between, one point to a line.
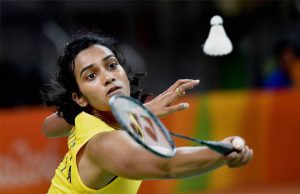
x=92, y=55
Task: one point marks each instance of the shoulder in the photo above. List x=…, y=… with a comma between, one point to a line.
x=83, y=117
x=99, y=160
x=85, y=121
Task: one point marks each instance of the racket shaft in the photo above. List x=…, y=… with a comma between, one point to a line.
x=222, y=148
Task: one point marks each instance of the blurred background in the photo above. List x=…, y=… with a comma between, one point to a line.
x=253, y=92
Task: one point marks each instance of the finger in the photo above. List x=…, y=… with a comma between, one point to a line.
x=188, y=85
x=248, y=156
x=176, y=85
x=168, y=98
x=238, y=159
x=170, y=95
x=251, y=154
x=230, y=159
x=176, y=108
x=179, y=83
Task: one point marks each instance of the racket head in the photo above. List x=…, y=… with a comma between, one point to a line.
x=142, y=125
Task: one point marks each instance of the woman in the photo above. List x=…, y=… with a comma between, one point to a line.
x=101, y=158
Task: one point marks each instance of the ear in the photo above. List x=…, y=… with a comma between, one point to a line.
x=80, y=99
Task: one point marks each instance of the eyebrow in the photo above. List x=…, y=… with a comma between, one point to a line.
x=91, y=65
x=85, y=68
x=107, y=57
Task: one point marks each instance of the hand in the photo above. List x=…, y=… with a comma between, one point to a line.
x=241, y=156
x=162, y=104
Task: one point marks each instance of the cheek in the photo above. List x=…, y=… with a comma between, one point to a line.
x=125, y=81
x=95, y=95
x=127, y=86
x=100, y=104
x=98, y=101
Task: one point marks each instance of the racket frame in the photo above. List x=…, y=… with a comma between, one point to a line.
x=114, y=110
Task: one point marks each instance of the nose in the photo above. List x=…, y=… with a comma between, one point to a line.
x=108, y=78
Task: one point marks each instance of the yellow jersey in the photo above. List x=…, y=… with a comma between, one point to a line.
x=67, y=179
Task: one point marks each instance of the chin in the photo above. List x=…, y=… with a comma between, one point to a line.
x=103, y=109
x=119, y=93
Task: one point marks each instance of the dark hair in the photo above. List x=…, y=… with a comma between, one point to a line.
x=59, y=92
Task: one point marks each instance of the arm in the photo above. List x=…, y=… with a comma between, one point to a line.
x=55, y=126
x=117, y=154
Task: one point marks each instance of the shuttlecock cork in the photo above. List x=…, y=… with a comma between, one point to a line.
x=217, y=43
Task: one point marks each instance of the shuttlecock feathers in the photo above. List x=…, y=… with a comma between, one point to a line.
x=217, y=43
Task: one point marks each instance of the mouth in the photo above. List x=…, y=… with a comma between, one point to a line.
x=114, y=90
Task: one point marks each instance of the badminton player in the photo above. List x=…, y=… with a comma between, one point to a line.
x=102, y=159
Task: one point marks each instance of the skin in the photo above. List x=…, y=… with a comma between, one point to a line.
x=163, y=105
x=111, y=154
x=97, y=71
x=55, y=126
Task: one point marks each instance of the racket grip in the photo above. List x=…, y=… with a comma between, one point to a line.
x=220, y=147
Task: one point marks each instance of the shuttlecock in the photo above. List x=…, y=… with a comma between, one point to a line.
x=217, y=43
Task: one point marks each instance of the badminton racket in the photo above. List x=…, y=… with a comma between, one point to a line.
x=148, y=130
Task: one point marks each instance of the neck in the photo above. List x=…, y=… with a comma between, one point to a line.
x=107, y=117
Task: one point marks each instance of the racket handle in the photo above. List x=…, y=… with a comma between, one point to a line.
x=220, y=147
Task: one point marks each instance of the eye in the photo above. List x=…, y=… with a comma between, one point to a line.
x=91, y=76
x=112, y=66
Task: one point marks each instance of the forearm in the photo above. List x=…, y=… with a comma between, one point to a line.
x=187, y=162
x=192, y=161
x=130, y=160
